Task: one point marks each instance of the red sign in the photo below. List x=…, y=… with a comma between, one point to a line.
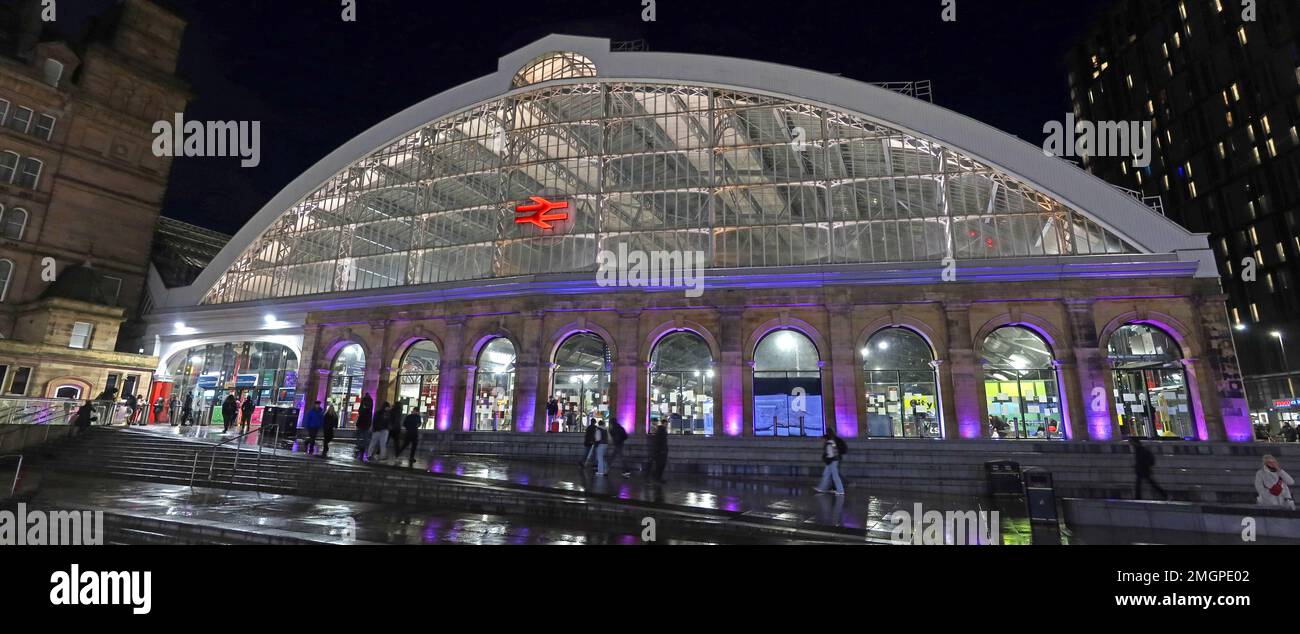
x=539, y=213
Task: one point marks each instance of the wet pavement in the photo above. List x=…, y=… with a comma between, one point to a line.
x=861, y=510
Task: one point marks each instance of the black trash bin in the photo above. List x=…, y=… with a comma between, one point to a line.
x=288, y=423
x=1003, y=478
x=1040, y=495
x=270, y=421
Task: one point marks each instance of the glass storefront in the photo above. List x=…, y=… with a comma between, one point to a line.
x=417, y=381
x=787, y=386
x=494, y=387
x=1020, y=385
x=580, y=383
x=681, y=384
x=901, y=389
x=347, y=379
x=1151, y=396
x=265, y=372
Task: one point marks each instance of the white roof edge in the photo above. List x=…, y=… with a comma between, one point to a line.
x=1065, y=181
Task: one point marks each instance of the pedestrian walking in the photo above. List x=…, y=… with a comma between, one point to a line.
x=552, y=411
x=1273, y=485
x=412, y=423
x=379, y=438
x=617, y=437
x=85, y=416
x=659, y=452
x=246, y=415
x=173, y=411
x=1144, y=463
x=314, y=421
x=601, y=440
x=833, y=449
x=588, y=444
x=229, y=410
x=187, y=411
x=158, y=407
x=331, y=424
x=365, y=414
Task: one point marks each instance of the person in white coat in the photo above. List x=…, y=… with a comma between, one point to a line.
x=1274, y=485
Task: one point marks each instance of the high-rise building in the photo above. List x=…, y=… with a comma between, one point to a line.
x=1219, y=80
x=80, y=190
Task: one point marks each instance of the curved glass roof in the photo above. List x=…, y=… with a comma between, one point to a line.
x=552, y=66
x=749, y=180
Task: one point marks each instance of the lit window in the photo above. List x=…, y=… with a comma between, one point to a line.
x=1268, y=129
x=1236, y=316
x=1281, y=252
x=1268, y=278
x=1218, y=6
x=1191, y=188
x=554, y=66
x=1254, y=312
x=1241, y=35
x=81, y=335
x=1222, y=152
x=1236, y=94
x=1254, y=238
x=1259, y=258
x=1182, y=9
x=1254, y=153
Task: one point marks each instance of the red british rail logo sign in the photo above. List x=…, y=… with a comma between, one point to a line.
x=540, y=212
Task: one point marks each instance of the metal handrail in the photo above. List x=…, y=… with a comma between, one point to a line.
x=235, y=468
x=14, y=486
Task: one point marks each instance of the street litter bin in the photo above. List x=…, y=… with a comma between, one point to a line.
x=1040, y=495
x=1003, y=478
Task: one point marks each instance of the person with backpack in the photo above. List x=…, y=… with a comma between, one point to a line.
x=833, y=449
x=246, y=415
x=331, y=423
x=313, y=422
x=365, y=415
x=1273, y=484
x=1144, y=463
x=618, y=436
x=229, y=410
x=412, y=424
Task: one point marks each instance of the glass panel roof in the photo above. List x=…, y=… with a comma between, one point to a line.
x=749, y=180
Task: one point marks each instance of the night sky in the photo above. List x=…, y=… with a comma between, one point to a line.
x=315, y=81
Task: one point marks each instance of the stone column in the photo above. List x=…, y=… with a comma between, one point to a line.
x=545, y=389
x=947, y=402
x=377, y=375
x=735, y=385
x=844, y=376
x=1205, y=405
x=1225, y=415
x=322, y=390
x=1088, y=392
x=451, y=377
x=527, y=367
x=967, y=376
x=467, y=398
x=628, y=381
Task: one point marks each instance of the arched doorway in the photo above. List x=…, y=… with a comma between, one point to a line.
x=417, y=380
x=681, y=384
x=494, y=386
x=347, y=380
x=580, y=382
x=1020, y=385
x=901, y=385
x=1151, y=394
x=787, y=386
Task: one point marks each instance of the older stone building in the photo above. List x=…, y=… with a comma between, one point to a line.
x=519, y=254
x=80, y=184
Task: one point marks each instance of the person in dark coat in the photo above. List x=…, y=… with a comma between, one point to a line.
x=659, y=452
x=395, y=428
x=589, y=445
x=618, y=436
x=314, y=421
x=246, y=415
x=365, y=415
x=173, y=411
x=833, y=449
x=379, y=438
x=229, y=410
x=85, y=416
x=187, y=410
x=1143, y=463
x=133, y=408
x=412, y=423
x=331, y=423
x=158, y=406
x=552, y=411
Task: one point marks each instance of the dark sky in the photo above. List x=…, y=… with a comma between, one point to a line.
x=315, y=81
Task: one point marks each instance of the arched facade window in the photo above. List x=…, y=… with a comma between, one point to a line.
x=266, y=372
x=494, y=386
x=787, y=386
x=580, y=382
x=347, y=380
x=901, y=385
x=1020, y=385
x=68, y=391
x=8, y=166
x=6, y=274
x=552, y=66
x=417, y=380
x=681, y=384
x=29, y=174
x=1151, y=393
x=13, y=222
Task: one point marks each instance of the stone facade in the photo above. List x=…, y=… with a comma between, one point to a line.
x=1076, y=317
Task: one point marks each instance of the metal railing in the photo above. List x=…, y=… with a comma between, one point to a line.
x=17, y=472
x=239, y=443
